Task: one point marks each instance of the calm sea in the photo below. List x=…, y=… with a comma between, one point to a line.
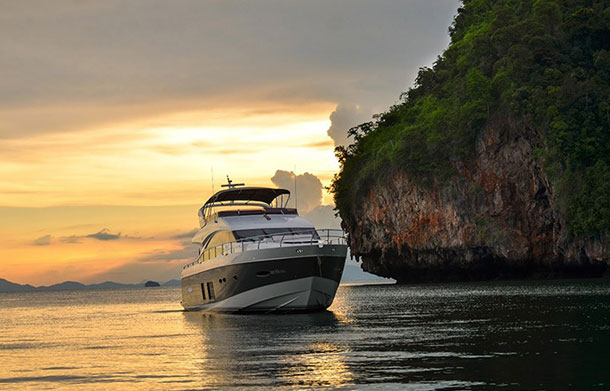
x=495, y=336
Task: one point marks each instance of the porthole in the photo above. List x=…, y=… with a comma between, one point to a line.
x=235, y=278
x=220, y=280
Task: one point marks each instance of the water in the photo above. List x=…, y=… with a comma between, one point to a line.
x=499, y=336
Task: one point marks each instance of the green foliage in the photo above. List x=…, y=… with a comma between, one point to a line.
x=545, y=61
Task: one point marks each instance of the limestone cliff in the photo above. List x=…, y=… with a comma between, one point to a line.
x=495, y=219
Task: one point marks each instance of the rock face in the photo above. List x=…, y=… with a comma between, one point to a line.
x=495, y=219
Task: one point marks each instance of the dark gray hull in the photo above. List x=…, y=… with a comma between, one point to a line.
x=295, y=283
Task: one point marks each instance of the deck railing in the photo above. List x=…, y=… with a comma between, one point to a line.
x=284, y=239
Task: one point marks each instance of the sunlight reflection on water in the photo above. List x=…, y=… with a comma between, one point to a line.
x=433, y=337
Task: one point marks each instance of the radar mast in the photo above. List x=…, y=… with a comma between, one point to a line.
x=231, y=185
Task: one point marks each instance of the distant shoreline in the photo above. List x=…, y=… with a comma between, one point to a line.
x=8, y=286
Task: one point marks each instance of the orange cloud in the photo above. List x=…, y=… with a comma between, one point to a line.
x=137, y=162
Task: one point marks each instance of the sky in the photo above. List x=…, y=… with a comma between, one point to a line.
x=117, y=118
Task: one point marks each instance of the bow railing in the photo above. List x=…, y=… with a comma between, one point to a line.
x=275, y=240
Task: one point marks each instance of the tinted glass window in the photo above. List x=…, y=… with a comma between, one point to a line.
x=306, y=231
x=251, y=234
x=219, y=238
x=277, y=231
x=256, y=234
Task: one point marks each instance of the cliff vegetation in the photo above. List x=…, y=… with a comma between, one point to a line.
x=531, y=76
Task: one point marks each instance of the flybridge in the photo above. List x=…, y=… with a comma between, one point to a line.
x=237, y=194
x=257, y=194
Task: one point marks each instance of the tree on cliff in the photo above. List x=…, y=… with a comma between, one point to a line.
x=543, y=63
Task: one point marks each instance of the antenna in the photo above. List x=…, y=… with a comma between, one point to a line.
x=296, y=198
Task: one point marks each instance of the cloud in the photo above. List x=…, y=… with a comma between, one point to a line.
x=71, y=239
x=309, y=195
x=187, y=250
x=135, y=272
x=309, y=188
x=43, y=240
x=160, y=264
x=185, y=235
x=104, y=234
x=323, y=217
x=344, y=117
x=320, y=144
x=77, y=64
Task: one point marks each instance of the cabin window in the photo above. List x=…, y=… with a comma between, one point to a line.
x=211, y=294
x=220, y=237
x=203, y=291
x=256, y=234
x=306, y=231
x=248, y=234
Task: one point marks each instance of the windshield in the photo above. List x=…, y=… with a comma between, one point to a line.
x=257, y=234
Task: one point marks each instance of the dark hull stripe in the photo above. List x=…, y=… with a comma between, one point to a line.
x=230, y=280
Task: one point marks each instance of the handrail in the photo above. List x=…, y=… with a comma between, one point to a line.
x=241, y=245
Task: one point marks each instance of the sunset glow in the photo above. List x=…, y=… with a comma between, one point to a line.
x=115, y=116
x=160, y=161
x=116, y=165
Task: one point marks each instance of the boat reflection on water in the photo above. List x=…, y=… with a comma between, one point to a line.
x=322, y=366
x=289, y=351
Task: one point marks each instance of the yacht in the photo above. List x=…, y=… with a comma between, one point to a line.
x=258, y=255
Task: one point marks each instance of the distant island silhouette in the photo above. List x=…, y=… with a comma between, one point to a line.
x=8, y=286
